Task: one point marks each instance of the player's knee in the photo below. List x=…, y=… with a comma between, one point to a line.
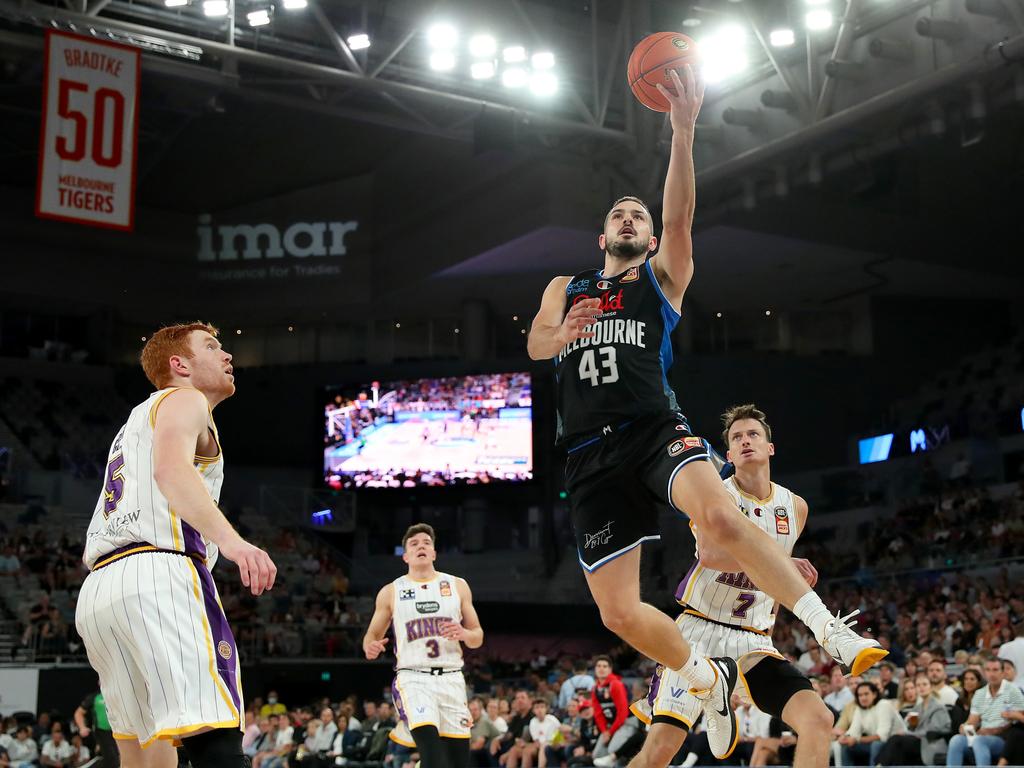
x=812, y=722
x=617, y=617
x=721, y=522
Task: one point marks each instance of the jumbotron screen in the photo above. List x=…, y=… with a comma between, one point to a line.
x=458, y=430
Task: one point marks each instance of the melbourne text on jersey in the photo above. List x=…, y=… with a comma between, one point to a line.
x=609, y=332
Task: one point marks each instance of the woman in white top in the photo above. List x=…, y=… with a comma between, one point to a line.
x=874, y=720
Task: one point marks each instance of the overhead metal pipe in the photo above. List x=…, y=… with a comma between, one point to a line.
x=891, y=50
x=31, y=10
x=940, y=29
x=990, y=57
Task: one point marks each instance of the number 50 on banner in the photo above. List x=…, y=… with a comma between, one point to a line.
x=88, y=140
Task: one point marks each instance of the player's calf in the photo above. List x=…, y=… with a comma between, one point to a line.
x=663, y=743
x=218, y=748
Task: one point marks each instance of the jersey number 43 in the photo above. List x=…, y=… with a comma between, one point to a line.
x=589, y=370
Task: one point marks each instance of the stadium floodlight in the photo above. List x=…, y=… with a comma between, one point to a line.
x=544, y=83
x=543, y=60
x=724, y=53
x=442, y=36
x=818, y=20
x=482, y=46
x=442, y=61
x=258, y=18
x=481, y=70
x=514, y=54
x=215, y=8
x=782, y=38
x=514, y=77
x=294, y=5
x=358, y=42
x=692, y=21
x=175, y=3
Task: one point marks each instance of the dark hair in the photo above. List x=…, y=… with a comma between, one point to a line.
x=477, y=699
x=603, y=657
x=746, y=411
x=873, y=689
x=1008, y=662
x=634, y=198
x=580, y=665
x=419, y=528
x=540, y=701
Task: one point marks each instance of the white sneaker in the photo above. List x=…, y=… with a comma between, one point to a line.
x=854, y=653
x=604, y=761
x=719, y=719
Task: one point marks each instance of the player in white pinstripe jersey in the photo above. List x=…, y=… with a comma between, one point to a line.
x=431, y=614
x=725, y=614
x=148, y=611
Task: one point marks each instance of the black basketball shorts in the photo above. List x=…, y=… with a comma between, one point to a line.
x=620, y=482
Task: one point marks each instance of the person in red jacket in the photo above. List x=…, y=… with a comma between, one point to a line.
x=611, y=710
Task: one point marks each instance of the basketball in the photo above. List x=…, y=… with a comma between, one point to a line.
x=650, y=62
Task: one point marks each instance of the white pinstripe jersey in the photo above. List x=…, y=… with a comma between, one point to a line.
x=417, y=607
x=731, y=598
x=131, y=509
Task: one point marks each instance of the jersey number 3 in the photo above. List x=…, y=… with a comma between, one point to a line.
x=588, y=367
x=434, y=649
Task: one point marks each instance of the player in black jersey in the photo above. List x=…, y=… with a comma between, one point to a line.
x=631, y=452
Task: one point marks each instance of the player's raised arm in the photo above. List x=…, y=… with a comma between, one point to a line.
x=553, y=327
x=673, y=264
x=374, y=641
x=182, y=417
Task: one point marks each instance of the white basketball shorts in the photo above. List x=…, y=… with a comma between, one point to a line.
x=438, y=700
x=669, y=691
x=156, y=633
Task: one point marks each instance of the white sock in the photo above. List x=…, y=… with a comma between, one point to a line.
x=690, y=761
x=698, y=672
x=813, y=613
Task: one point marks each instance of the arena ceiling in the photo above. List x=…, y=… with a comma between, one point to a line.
x=899, y=173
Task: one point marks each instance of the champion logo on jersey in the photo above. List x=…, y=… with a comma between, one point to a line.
x=632, y=275
x=603, y=285
x=446, y=589
x=408, y=594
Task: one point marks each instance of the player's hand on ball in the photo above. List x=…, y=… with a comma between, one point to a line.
x=689, y=95
x=579, y=318
x=374, y=648
x=257, y=570
x=452, y=631
x=808, y=571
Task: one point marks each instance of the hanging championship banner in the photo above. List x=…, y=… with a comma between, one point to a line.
x=88, y=141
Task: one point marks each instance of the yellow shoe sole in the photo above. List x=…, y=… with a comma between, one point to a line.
x=866, y=659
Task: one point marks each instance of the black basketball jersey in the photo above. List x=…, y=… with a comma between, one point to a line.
x=620, y=373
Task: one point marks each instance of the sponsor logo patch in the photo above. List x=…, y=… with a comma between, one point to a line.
x=781, y=520
x=224, y=649
x=428, y=606
x=578, y=287
x=676, y=448
x=693, y=442
x=632, y=275
x=407, y=594
x=446, y=589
